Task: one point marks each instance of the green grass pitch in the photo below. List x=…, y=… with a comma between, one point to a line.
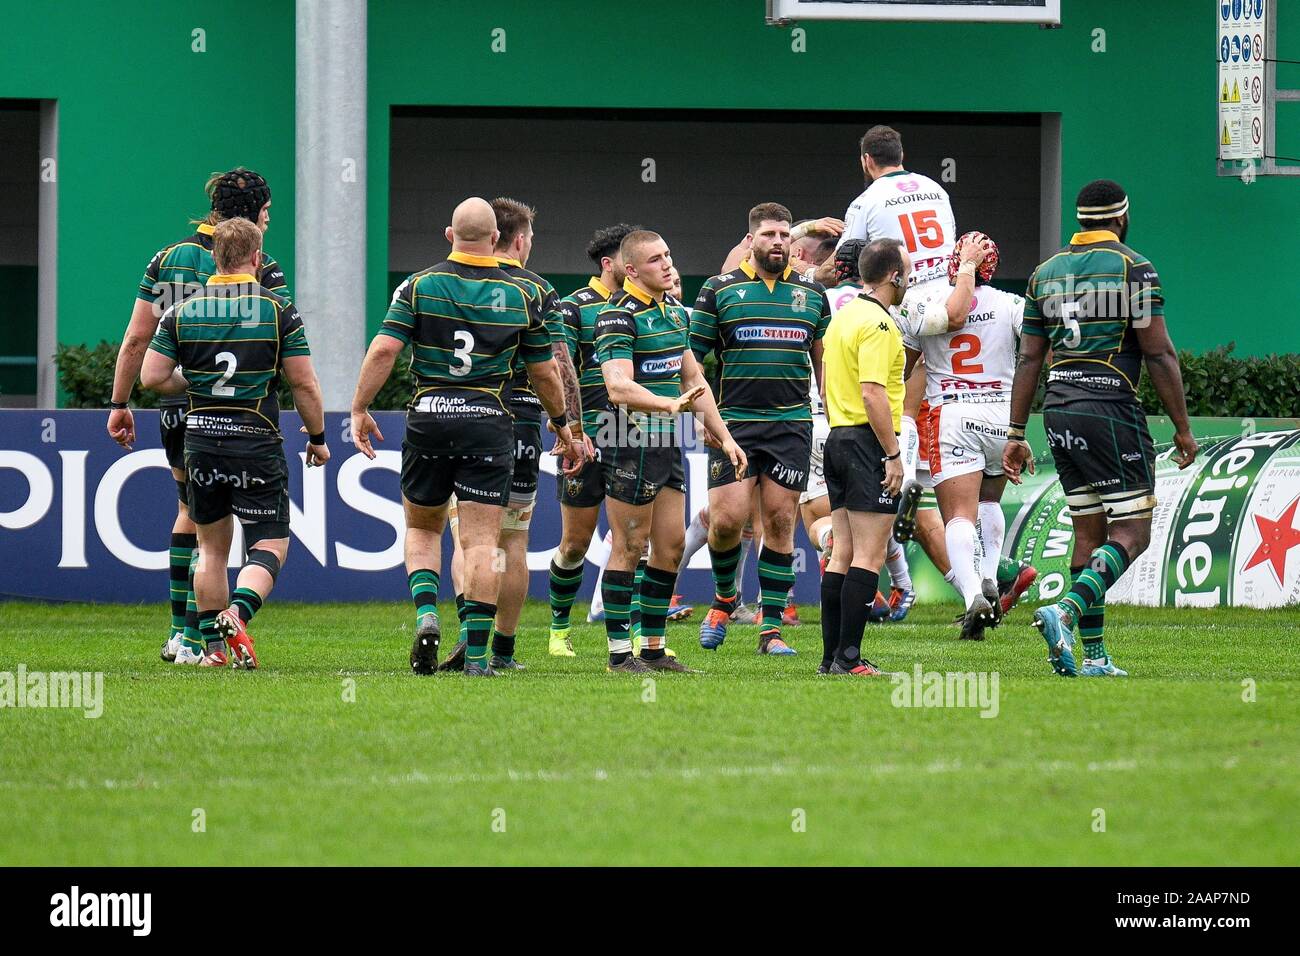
x=756, y=761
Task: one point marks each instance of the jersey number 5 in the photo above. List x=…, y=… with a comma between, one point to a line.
x=1073, y=335
x=924, y=226
x=464, y=344
x=968, y=349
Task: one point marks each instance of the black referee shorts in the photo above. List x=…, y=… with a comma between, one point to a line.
x=855, y=471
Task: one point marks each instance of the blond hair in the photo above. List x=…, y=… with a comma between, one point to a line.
x=633, y=242
x=233, y=243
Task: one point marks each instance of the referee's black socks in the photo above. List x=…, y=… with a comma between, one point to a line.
x=856, y=597
x=832, y=584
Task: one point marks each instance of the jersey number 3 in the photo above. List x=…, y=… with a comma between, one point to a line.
x=464, y=344
x=968, y=349
x=924, y=226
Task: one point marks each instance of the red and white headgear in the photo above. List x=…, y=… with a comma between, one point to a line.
x=986, y=268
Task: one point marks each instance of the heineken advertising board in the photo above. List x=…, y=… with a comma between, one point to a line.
x=1225, y=530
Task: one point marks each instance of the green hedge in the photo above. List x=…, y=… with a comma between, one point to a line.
x=1218, y=384
x=86, y=375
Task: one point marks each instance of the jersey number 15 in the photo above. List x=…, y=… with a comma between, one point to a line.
x=923, y=226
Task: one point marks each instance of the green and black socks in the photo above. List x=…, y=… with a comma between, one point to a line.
x=478, y=631
x=565, y=583
x=634, y=614
x=655, y=595
x=208, y=630
x=179, y=558
x=193, y=636
x=775, y=578
x=1092, y=624
x=247, y=602
x=724, y=575
x=616, y=591
x=1104, y=567
x=503, y=646
x=1008, y=571
x=424, y=592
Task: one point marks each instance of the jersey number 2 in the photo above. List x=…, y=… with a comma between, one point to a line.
x=923, y=226
x=221, y=389
x=968, y=349
x=464, y=344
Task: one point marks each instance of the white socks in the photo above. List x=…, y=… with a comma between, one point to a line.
x=823, y=537
x=900, y=576
x=603, y=552
x=960, y=537
x=992, y=529
x=909, y=442
x=697, y=536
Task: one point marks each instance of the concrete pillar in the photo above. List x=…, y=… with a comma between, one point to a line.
x=47, y=258
x=329, y=274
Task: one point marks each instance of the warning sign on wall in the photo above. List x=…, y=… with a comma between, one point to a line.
x=1243, y=34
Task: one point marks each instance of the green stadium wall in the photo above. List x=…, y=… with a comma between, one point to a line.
x=143, y=118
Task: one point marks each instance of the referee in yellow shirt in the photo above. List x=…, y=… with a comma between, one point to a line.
x=863, y=374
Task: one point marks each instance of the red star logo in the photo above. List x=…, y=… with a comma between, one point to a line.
x=1276, y=539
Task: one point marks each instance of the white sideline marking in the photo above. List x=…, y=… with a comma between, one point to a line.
x=424, y=778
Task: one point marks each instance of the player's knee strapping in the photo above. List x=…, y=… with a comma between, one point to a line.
x=266, y=560
x=246, y=600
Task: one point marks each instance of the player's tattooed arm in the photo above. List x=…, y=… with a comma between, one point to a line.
x=547, y=381
x=569, y=380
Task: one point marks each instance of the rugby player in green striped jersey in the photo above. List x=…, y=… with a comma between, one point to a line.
x=175, y=272
x=513, y=247
x=234, y=341
x=765, y=323
x=1098, y=305
x=465, y=319
x=651, y=377
x=581, y=494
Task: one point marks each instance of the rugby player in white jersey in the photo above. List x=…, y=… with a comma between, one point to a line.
x=968, y=390
x=915, y=210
